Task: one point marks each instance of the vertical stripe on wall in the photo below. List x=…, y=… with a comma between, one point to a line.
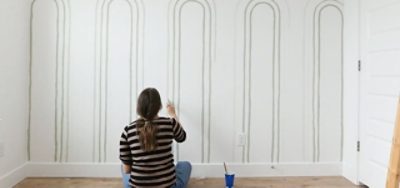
x=61, y=128
x=316, y=72
x=102, y=64
x=67, y=79
x=247, y=117
x=175, y=68
x=64, y=129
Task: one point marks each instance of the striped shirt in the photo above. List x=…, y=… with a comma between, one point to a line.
x=153, y=168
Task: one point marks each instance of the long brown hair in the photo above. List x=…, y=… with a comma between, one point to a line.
x=148, y=106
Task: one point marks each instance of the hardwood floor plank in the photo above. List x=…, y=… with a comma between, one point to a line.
x=279, y=182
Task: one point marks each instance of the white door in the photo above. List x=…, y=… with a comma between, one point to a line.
x=380, y=86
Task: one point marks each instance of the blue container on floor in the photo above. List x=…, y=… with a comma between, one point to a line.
x=229, y=180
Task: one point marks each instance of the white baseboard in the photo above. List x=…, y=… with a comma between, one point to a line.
x=37, y=169
x=199, y=170
x=13, y=177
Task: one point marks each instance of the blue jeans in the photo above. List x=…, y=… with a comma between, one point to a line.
x=182, y=170
x=125, y=178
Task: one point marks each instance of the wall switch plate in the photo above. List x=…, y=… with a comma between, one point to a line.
x=241, y=139
x=1, y=149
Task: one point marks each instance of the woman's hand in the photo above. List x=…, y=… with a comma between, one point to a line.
x=171, y=110
x=126, y=168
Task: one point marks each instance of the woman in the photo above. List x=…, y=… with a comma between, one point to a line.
x=146, y=146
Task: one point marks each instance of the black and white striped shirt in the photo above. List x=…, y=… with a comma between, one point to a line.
x=154, y=168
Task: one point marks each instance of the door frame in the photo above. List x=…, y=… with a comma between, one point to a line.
x=352, y=91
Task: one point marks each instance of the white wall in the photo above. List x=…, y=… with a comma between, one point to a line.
x=270, y=69
x=13, y=89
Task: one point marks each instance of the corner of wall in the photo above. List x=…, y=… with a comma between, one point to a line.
x=13, y=177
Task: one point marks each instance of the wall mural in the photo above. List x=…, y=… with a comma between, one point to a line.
x=326, y=71
x=317, y=74
x=190, y=36
x=60, y=80
x=274, y=60
x=104, y=63
x=176, y=61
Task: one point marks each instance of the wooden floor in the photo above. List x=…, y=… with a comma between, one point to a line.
x=284, y=182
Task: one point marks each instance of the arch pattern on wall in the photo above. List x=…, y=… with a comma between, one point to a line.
x=247, y=79
x=61, y=85
x=316, y=113
x=102, y=64
x=174, y=65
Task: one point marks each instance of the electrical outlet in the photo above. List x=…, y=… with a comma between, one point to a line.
x=1, y=149
x=241, y=139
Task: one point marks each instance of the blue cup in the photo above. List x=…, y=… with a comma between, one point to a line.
x=229, y=180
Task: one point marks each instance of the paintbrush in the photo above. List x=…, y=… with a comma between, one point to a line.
x=226, y=170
